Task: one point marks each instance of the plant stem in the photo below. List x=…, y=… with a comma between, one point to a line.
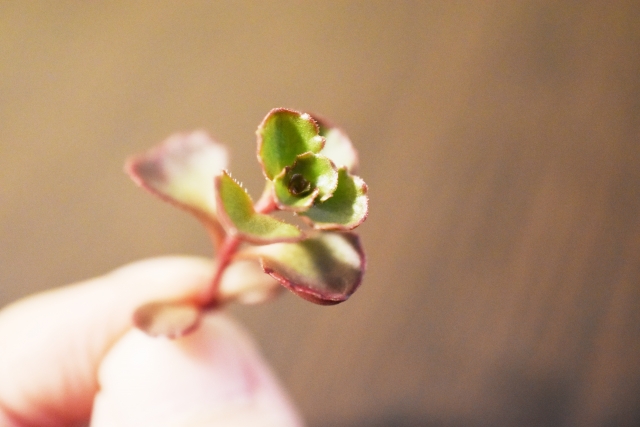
x=227, y=248
x=224, y=256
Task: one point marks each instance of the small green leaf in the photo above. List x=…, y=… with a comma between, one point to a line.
x=236, y=212
x=346, y=209
x=312, y=177
x=324, y=269
x=180, y=170
x=338, y=146
x=282, y=136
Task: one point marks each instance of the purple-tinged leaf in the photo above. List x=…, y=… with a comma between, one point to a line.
x=345, y=210
x=170, y=319
x=325, y=269
x=282, y=136
x=239, y=218
x=181, y=170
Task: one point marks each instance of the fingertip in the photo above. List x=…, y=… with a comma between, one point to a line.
x=214, y=376
x=170, y=277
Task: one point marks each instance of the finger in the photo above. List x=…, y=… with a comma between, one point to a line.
x=51, y=344
x=214, y=376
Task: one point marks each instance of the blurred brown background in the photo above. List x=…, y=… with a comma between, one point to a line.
x=500, y=141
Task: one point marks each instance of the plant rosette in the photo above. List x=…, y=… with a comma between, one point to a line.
x=309, y=167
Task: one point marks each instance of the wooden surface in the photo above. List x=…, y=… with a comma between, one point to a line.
x=501, y=145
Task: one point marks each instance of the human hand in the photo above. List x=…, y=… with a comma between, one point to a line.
x=69, y=357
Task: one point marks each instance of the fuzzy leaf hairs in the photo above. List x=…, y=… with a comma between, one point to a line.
x=309, y=168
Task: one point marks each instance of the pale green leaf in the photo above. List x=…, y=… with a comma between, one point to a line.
x=238, y=216
x=181, y=170
x=326, y=268
x=345, y=210
x=282, y=136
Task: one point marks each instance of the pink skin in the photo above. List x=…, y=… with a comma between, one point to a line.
x=72, y=349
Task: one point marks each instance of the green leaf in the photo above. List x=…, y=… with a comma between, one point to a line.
x=338, y=146
x=312, y=177
x=324, y=269
x=181, y=170
x=236, y=212
x=345, y=210
x=282, y=136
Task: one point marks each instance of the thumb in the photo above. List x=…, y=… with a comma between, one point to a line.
x=213, y=376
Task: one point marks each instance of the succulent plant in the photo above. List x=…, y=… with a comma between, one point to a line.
x=309, y=167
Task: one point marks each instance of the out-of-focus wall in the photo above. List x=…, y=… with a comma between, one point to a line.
x=501, y=145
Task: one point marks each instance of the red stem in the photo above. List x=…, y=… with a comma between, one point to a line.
x=224, y=257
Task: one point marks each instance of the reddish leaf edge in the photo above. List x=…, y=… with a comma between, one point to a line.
x=313, y=295
x=212, y=224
